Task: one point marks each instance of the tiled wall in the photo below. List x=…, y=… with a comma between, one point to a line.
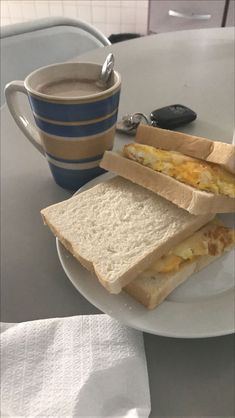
x=109, y=16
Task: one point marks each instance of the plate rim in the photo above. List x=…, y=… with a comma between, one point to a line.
x=192, y=335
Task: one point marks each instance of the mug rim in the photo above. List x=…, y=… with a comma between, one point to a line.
x=94, y=96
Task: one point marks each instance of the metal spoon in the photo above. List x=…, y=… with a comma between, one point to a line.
x=106, y=71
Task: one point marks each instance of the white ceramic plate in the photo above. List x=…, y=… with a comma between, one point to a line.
x=201, y=307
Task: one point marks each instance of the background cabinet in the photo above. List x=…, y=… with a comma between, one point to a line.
x=173, y=15
x=231, y=14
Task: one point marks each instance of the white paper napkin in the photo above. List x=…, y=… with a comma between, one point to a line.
x=83, y=366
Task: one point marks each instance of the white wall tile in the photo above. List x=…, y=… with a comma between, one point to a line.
x=42, y=9
x=142, y=4
x=86, y=3
x=113, y=28
x=15, y=10
x=84, y=13
x=128, y=28
x=113, y=3
x=70, y=9
x=128, y=15
x=129, y=3
x=4, y=9
x=141, y=29
x=142, y=16
x=102, y=27
x=17, y=20
x=98, y=3
x=99, y=14
x=4, y=21
x=56, y=8
x=111, y=16
x=28, y=9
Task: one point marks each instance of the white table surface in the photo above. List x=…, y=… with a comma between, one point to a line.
x=188, y=378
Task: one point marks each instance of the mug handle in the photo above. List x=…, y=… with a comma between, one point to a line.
x=26, y=127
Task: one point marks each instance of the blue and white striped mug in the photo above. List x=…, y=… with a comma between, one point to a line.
x=72, y=130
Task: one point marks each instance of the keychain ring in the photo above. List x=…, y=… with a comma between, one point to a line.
x=142, y=116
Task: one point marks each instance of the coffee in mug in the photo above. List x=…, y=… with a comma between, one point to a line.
x=71, y=88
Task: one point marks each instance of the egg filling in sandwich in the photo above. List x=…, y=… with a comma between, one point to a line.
x=197, y=173
x=132, y=239
x=213, y=239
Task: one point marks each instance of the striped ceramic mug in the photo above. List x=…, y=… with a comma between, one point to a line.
x=73, y=130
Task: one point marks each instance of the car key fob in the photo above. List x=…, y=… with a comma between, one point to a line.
x=170, y=117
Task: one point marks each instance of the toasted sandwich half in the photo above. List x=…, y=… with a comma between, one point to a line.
x=190, y=256
x=194, y=173
x=131, y=238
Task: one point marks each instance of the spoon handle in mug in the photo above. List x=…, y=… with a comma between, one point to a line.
x=11, y=91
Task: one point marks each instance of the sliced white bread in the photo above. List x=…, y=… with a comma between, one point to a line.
x=117, y=229
x=151, y=291
x=194, y=146
x=187, y=197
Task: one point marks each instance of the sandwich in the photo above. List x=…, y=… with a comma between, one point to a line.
x=134, y=240
x=190, y=256
x=194, y=173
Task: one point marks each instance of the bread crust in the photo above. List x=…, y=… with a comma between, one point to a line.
x=187, y=197
x=168, y=282
x=194, y=146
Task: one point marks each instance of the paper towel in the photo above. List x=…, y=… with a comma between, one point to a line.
x=83, y=366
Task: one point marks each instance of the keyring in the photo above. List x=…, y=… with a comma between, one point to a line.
x=139, y=116
x=129, y=123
